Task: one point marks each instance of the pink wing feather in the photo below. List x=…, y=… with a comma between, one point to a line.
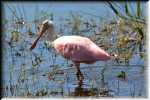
x=79, y=49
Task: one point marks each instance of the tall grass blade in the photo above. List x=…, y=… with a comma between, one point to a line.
x=113, y=8
x=138, y=9
x=127, y=10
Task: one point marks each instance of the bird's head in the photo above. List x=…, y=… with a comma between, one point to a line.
x=47, y=25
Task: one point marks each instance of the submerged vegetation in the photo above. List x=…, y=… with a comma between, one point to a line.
x=44, y=73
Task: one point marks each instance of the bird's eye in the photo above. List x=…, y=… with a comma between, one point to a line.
x=46, y=21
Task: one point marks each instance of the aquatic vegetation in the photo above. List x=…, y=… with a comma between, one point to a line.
x=43, y=73
x=15, y=36
x=122, y=75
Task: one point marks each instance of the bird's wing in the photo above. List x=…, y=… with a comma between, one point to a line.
x=79, y=49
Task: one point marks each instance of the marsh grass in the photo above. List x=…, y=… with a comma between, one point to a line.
x=43, y=73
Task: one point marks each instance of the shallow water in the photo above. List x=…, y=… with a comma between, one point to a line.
x=41, y=72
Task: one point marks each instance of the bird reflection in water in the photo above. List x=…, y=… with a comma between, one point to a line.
x=79, y=91
x=103, y=91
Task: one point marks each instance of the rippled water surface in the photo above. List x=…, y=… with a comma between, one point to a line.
x=44, y=73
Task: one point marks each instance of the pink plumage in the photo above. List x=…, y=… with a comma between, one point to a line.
x=79, y=49
x=75, y=48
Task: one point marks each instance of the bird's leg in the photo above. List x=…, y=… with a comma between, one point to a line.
x=78, y=72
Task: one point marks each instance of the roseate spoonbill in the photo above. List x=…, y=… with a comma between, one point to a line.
x=75, y=48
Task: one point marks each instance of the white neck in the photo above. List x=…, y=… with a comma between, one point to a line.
x=51, y=35
x=49, y=44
